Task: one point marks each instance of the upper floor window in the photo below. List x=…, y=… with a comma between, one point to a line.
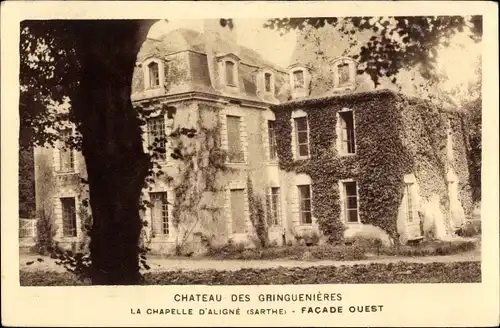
x=344, y=73
x=154, y=75
x=66, y=157
x=157, y=136
x=346, y=135
x=235, y=146
x=298, y=79
x=272, y=140
x=230, y=74
x=409, y=202
x=267, y=81
x=302, y=136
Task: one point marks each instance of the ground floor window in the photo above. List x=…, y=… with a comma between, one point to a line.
x=408, y=195
x=159, y=214
x=305, y=204
x=350, y=201
x=68, y=216
x=238, y=212
x=273, y=206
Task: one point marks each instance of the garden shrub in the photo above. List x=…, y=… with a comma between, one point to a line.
x=401, y=272
x=470, y=229
x=46, y=230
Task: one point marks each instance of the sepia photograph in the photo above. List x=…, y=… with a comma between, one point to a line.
x=243, y=151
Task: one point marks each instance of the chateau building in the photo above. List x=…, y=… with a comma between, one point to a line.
x=271, y=156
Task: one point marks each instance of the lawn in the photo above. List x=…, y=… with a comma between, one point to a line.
x=375, y=273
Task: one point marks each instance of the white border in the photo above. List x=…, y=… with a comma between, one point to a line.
x=424, y=305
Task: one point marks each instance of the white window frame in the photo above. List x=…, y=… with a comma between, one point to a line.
x=352, y=64
x=148, y=135
x=275, y=221
x=299, y=199
x=245, y=210
x=161, y=73
x=161, y=234
x=222, y=60
x=296, y=137
x=343, y=200
x=410, y=204
x=76, y=218
x=339, y=142
x=292, y=78
x=269, y=142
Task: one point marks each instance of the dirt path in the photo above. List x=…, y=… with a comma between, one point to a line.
x=166, y=264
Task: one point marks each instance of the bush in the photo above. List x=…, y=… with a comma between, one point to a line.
x=430, y=248
x=45, y=232
x=401, y=272
x=470, y=229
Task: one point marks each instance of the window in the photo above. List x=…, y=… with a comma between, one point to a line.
x=409, y=201
x=305, y=204
x=272, y=140
x=66, y=159
x=235, y=148
x=154, y=75
x=267, y=82
x=273, y=206
x=344, y=73
x=157, y=136
x=159, y=213
x=350, y=202
x=302, y=136
x=238, y=212
x=68, y=216
x=298, y=79
x=230, y=73
x=346, y=137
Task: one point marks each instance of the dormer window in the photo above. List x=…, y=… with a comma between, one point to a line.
x=344, y=72
x=298, y=79
x=230, y=73
x=267, y=82
x=153, y=70
x=154, y=75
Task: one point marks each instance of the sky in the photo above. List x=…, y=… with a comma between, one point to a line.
x=456, y=61
x=250, y=33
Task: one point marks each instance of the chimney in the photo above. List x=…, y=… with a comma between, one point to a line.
x=223, y=28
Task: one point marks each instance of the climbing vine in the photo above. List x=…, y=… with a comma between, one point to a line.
x=394, y=136
x=257, y=214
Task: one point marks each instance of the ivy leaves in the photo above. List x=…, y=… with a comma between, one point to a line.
x=398, y=42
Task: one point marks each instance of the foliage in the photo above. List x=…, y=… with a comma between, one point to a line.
x=473, y=116
x=378, y=166
x=471, y=228
x=257, y=215
x=395, y=135
x=397, y=42
x=400, y=272
x=26, y=183
x=46, y=230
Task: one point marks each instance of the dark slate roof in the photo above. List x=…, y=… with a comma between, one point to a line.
x=196, y=44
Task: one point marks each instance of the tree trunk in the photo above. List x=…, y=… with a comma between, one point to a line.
x=111, y=144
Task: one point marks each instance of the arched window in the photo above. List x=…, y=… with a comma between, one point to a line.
x=154, y=75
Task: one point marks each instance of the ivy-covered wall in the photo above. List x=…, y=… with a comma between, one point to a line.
x=393, y=136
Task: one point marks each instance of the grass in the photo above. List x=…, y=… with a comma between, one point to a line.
x=357, y=249
x=376, y=273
